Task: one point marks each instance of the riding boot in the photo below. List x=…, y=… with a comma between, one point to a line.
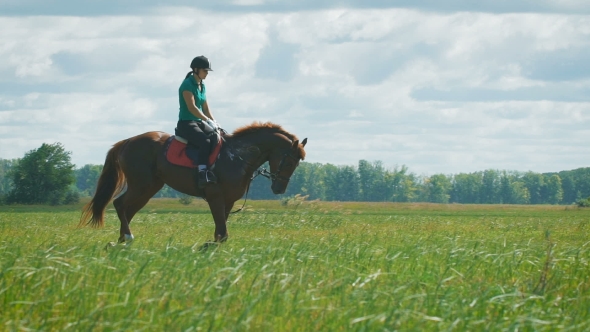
x=201, y=178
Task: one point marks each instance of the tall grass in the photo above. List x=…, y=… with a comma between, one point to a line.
x=316, y=266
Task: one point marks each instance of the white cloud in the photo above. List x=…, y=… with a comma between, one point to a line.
x=248, y=2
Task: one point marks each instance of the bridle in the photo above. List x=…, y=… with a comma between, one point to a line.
x=276, y=174
x=269, y=175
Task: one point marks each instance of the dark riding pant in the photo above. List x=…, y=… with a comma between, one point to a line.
x=198, y=135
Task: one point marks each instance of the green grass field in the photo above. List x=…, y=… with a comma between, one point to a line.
x=314, y=266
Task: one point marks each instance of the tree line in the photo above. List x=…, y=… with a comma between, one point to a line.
x=372, y=182
x=46, y=175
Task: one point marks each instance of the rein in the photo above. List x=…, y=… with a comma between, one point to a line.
x=260, y=171
x=269, y=175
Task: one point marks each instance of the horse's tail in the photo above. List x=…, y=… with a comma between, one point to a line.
x=110, y=183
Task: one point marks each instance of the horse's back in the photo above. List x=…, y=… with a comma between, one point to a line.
x=149, y=140
x=154, y=136
x=143, y=149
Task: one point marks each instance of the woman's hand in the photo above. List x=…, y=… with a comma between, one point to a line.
x=211, y=123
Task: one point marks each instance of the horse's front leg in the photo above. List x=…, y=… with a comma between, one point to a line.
x=228, y=207
x=214, y=196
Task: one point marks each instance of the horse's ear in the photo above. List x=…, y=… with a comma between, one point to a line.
x=304, y=141
x=296, y=144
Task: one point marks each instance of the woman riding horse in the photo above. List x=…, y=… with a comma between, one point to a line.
x=136, y=168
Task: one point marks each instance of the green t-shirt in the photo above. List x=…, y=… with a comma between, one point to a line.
x=190, y=84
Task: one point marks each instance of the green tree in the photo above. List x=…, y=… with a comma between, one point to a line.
x=371, y=181
x=466, y=188
x=341, y=183
x=403, y=185
x=409, y=189
x=437, y=188
x=554, y=189
x=581, y=178
x=5, y=180
x=380, y=188
x=568, y=184
x=87, y=179
x=43, y=176
x=366, y=175
x=490, y=187
x=308, y=179
x=534, y=182
x=505, y=188
x=315, y=182
x=331, y=182
x=520, y=193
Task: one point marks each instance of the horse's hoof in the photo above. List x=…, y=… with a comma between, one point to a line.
x=129, y=239
x=208, y=245
x=109, y=245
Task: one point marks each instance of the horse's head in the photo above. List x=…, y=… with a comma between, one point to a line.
x=281, y=149
x=282, y=164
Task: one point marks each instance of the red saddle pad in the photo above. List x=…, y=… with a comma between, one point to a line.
x=176, y=153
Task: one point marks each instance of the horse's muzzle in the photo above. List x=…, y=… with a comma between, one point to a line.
x=278, y=187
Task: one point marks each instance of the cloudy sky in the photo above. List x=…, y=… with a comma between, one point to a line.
x=441, y=86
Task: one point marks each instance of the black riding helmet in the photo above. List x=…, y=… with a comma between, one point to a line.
x=201, y=62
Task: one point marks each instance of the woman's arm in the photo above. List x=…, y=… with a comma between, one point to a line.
x=207, y=111
x=189, y=99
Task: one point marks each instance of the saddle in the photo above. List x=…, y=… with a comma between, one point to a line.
x=178, y=152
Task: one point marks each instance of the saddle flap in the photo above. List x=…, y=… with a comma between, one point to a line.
x=180, y=153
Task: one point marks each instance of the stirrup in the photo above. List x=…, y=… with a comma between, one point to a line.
x=211, y=178
x=201, y=179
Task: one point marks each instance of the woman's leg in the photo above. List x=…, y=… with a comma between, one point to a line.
x=192, y=131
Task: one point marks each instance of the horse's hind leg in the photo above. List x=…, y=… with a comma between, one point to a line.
x=130, y=202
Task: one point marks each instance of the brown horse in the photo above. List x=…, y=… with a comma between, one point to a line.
x=136, y=169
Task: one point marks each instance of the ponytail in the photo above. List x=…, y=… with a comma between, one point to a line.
x=189, y=74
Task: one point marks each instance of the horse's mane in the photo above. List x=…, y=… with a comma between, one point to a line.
x=272, y=127
x=257, y=126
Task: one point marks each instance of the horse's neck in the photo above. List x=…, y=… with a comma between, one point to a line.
x=255, y=149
